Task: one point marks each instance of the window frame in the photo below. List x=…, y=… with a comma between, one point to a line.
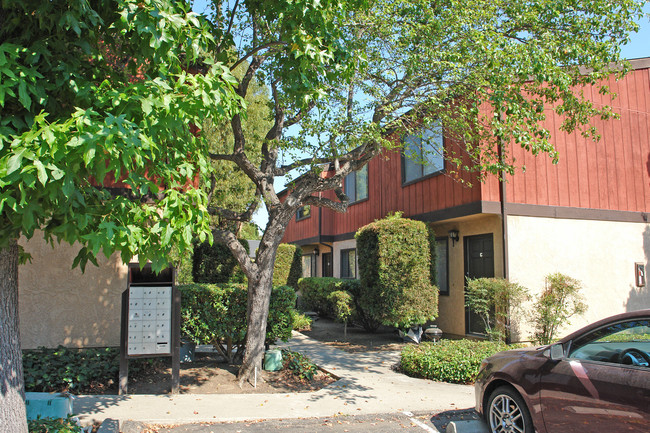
x=353, y=176
x=446, y=242
x=304, y=217
x=421, y=166
x=356, y=271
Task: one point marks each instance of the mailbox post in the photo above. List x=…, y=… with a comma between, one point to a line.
x=150, y=321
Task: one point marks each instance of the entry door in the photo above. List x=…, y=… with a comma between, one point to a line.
x=479, y=263
x=328, y=265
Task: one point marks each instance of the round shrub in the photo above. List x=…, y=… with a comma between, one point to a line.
x=454, y=361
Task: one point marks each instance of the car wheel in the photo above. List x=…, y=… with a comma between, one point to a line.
x=507, y=412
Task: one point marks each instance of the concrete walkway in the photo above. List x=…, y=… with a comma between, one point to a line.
x=367, y=385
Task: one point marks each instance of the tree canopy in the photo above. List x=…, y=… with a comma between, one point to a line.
x=100, y=105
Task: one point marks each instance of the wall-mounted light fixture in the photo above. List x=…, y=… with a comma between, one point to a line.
x=454, y=236
x=316, y=251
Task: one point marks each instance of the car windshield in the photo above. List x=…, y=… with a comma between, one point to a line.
x=609, y=343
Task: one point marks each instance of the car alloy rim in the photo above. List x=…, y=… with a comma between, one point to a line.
x=505, y=416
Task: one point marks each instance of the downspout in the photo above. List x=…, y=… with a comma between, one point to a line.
x=503, y=198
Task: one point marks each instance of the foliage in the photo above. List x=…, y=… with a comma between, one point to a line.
x=301, y=322
x=54, y=425
x=215, y=264
x=454, y=361
x=342, y=305
x=216, y=314
x=560, y=300
x=99, y=93
x=394, y=266
x=77, y=370
x=299, y=364
x=315, y=293
x=494, y=300
x=287, y=268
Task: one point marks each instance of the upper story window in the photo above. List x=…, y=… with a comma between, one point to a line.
x=303, y=212
x=423, y=154
x=356, y=185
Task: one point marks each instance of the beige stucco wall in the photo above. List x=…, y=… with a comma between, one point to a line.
x=451, y=318
x=601, y=254
x=337, y=247
x=62, y=306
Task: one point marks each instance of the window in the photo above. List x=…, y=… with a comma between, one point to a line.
x=356, y=185
x=349, y=263
x=303, y=212
x=442, y=267
x=423, y=154
x=309, y=265
x=621, y=343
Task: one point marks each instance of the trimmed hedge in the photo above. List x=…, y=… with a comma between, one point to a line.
x=395, y=272
x=215, y=264
x=287, y=268
x=216, y=314
x=454, y=361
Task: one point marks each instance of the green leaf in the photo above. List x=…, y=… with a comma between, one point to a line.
x=24, y=98
x=41, y=172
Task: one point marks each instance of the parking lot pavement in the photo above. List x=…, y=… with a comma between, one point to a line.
x=460, y=421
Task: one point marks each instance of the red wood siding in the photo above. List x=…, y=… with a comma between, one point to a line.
x=612, y=173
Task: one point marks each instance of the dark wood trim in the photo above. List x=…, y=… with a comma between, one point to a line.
x=477, y=207
x=576, y=213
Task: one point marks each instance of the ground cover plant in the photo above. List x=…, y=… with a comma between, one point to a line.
x=77, y=370
x=54, y=425
x=453, y=361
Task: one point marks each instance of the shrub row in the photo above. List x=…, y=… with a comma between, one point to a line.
x=315, y=293
x=454, y=361
x=216, y=314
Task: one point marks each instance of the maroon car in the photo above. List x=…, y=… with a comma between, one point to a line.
x=596, y=379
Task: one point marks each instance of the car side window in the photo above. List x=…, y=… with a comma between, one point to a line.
x=625, y=343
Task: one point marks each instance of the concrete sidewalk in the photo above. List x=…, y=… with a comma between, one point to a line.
x=367, y=385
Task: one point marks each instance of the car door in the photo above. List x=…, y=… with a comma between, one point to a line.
x=598, y=384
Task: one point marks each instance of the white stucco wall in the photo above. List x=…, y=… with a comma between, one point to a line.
x=601, y=254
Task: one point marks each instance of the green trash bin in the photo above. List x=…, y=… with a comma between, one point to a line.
x=273, y=360
x=47, y=405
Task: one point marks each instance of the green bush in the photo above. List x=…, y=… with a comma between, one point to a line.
x=342, y=304
x=315, y=292
x=287, y=268
x=560, y=300
x=216, y=314
x=78, y=370
x=454, y=361
x=215, y=264
x=54, y=425
x=299, y=364
x=395, y=273
x=493, y=300
x=301, y=322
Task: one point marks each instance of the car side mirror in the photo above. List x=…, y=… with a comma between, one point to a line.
x=557, y=352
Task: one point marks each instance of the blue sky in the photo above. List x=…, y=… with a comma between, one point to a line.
x=639, y=46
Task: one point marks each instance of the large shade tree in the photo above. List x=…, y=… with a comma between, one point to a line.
x=95, y=94
x=346, y=74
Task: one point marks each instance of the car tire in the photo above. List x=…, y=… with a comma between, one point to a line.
x=506, y=412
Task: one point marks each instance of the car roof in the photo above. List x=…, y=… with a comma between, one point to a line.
x=645, y=313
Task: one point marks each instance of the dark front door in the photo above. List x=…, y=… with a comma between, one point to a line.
x=328, y=265
x=479, y=263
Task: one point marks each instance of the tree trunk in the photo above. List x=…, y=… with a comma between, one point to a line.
x=13, y=418
x=259, y=297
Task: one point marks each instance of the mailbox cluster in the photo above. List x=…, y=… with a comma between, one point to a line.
x=149, y=322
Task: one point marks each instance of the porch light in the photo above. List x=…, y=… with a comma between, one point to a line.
x=316, y=251
x=454, y=236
